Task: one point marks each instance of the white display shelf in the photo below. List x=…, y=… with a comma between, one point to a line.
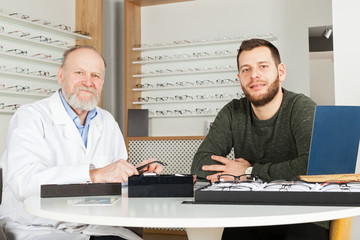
x=213, y=56
x=182, y=116
x=39, y=26
x=186, y=87
x=184, y=73
x=27, y=58
x=32, y=42
x=183, y=101
x=202, y=43
x=2, y=111
x=23, y=94
x=28, y=76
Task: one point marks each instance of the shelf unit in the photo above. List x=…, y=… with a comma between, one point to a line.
x=173, y=61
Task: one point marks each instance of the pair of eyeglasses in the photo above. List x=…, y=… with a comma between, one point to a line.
x=280, y=185
x=18, y=88
x=183, y=84
x=42, y=39
x=146, y=85
x=9, y=107
x=203, y=110
x=42, y=90
x=19, y=33
x=40, y=73
x=82, y=32
x=204, y=82
x=163, y=99
x=342, y=186
x=140, y=169
x=182, y=112
x=164, y=85
x=41, y=21
x=237, y=179
x=164, y=112
x=17, y=70
x=223, y=95
x=42, y=56
x=17, y=51
x=19, y=15
x=204, y=97
x=59, y=43
x=183, y=97
x=63, y=27
x=224, y=81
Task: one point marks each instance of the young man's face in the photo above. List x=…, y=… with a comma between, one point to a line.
x=259, y=76
x=82, y=79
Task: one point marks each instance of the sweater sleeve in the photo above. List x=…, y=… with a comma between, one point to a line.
x=217, y=142
x=301, y=123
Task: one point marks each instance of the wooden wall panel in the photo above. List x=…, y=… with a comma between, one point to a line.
x=89, y=18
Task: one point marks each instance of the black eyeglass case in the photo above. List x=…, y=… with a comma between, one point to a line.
x=161, y=186
x=277, y=198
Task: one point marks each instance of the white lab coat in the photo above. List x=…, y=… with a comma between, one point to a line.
x=44, y=147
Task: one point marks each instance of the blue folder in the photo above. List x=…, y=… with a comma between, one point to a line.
x=335, y=140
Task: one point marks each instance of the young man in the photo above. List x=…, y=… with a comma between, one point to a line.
x=63, y=139
x=270, y=131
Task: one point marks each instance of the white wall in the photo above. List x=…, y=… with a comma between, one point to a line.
x=55, y=11
x=346, y=69
x=322, y=78
x=289, y=20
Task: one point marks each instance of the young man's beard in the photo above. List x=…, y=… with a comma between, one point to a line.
x=265, y=98
x=74, y=101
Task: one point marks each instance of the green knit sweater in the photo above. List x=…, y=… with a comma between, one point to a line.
x=277, y=148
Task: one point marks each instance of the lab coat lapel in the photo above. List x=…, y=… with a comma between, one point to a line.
x=96, y=127
x=62, y=118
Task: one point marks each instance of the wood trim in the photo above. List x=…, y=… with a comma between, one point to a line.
x=89, y=18
x=132, y=35
x=340, y=229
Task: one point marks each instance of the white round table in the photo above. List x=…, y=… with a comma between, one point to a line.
x=202, y=221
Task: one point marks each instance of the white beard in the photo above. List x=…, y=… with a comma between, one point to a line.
x=75, y=102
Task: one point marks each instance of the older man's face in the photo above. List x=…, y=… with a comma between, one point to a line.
x=82, y=79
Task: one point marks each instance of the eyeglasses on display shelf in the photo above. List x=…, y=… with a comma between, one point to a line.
x=203, y=110
x=18, y=88
x=41, y=21
x=163, y=85
x=63, y=27
x=182, y=112
x=42, y=56
x=82, y=32
x=17, y=51
x=9, y=107
x=164, y=99
x=183, y=97
x=42, y=39
x=164, y=112
x=204, y=97
x=19, y=15
x=184, y=84
x=19, y=33
x=17, y=70
x=146, y=85
x=40, y=73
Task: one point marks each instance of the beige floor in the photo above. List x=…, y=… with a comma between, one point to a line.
x=164, y=236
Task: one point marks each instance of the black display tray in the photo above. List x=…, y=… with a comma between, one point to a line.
x=277, y=198
x=161, y=186
x=77, y=190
